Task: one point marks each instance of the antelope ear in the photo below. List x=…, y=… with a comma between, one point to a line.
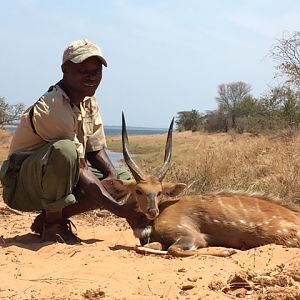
x=173, y=189
x=117, y=186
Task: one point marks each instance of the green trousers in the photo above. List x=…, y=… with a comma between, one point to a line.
x=44, y=179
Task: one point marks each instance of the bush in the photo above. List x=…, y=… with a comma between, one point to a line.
x=8, y=112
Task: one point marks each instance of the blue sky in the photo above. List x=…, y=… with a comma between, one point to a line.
x=163, y=56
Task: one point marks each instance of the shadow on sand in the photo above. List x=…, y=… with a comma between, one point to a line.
x=122, y=247
x=33, y=242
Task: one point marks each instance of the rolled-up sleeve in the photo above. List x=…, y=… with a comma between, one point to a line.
x=54, y=120
x=96, y=139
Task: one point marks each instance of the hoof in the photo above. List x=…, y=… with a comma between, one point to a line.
x=154, y=246
x=229, y=252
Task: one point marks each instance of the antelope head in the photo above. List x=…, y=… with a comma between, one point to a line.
x=146, y=189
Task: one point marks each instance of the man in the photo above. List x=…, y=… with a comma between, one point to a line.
x=47, y=168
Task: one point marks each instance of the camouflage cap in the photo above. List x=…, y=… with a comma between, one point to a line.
x=80, y=50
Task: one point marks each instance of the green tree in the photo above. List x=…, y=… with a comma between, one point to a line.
x=216, y=121
x=249, y=115
x=286, y=105
x=248, y=106
x=8, y=112
x=189, y=120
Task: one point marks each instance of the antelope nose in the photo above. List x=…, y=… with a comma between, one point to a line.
x=152, y=213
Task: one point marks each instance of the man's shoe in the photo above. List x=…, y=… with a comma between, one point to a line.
x=60, y=232
x=38, y=223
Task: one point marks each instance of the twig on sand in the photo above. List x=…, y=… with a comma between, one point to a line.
x=165, y=295
x=3, y=240
x=74, y=252
x=150, y=289
x=16, y=212
x=13, y=297
x=59, y=279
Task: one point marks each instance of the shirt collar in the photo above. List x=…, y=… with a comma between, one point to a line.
x=60, y=86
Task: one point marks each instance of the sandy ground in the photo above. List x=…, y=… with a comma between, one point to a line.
x=106, y=265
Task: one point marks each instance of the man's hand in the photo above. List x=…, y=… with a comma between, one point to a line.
x=83, y=163
x=130, y=211
x=101, y=161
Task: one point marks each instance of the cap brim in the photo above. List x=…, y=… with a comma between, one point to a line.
x=80, y=58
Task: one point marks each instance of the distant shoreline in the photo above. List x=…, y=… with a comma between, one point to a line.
x=114, y=130
x=136, y=128
x=113, y=127
x=11, y=125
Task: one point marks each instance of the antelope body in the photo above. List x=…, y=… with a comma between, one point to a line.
x=226, y=219
x=187, y=223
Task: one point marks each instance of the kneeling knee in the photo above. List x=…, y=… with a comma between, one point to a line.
x=64, y=150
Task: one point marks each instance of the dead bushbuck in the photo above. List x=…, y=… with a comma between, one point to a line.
x=183, y=224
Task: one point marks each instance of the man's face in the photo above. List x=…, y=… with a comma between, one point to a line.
x=83, y=78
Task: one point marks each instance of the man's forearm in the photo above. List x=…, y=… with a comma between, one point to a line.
x=101, y=161
x=95, y=191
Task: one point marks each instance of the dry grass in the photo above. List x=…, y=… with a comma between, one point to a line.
x=5, y=138
x=211, y=162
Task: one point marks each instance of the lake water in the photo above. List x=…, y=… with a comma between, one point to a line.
x=117, y=130
x=116, y=157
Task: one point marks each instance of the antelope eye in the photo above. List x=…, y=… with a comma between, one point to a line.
x=138, y=192
x=159, y=194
